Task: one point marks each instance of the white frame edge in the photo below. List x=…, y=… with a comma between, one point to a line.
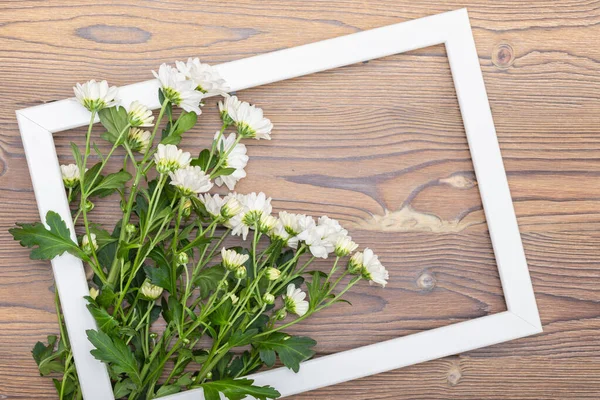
x=452, y=29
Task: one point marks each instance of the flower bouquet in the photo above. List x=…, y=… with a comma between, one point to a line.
x=176, y=309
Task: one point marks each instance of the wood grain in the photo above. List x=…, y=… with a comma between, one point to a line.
x=378, y=145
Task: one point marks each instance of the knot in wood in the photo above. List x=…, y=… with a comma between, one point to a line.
x=503, y=55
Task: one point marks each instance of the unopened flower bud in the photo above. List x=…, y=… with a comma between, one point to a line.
x=240, y=273
x=153, y=335
x=187, y=208
x=70, y=175
x=281, y=314
x=344, y=246
x=266, y=223
x=130, y=229
x=94, y=293
x=234, y=299
x=232, y=260
x=86, y=246
x=89, y=206
x=150, y=291
x=186, y=341
x=268, y=298
x=209, y=375
x=273, y=274
x=355, y=264
x=182, y=258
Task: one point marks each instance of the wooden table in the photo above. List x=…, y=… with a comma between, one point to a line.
x=381, y=147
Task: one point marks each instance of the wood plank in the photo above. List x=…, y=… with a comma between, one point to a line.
x=379, y=146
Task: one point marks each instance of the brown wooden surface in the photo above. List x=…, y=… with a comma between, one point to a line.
x=379, y=146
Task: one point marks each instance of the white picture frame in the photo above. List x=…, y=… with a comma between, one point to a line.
x=37, y=124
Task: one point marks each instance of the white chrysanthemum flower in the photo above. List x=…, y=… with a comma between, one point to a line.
x=139, y=140
x=267, y=223
x=96, y=96
x=322, y=238
x=368, y=264
x=205, y=77
x=294, y=300
x=150, y=291
x=272, y=274
x=226, y=207
x=295, y=224
x=140, y=115
x=232, y=260
x=212, y=203
x=228, y=107
x=70, y=175
x=278, y=232
x=253, y=207
x=169, y=158
x=250, y=122
x=344, y=246
x=178, y=90
x=191, y=180
x=236, y=158
x=85, y=243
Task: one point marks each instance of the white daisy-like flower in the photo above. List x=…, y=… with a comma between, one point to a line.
x=228, y=107
x=226, y=207
x=140, y=115
x=368, y=264
x=96, y=96
x=236, y=158
x=205, y=77
x=294, y=300
x=191, y=180
x=278, y=232
x=85, y=243
x=267, y=223
x=344, y=246
x=178, y=90
x=70, y=175
x=321, y=239
x=253, y=207
x=295, y=224
x=139, y=140
x=212, y=203
x=169, y=158
x=150, y=291
x=249, y=120
x=232, y=260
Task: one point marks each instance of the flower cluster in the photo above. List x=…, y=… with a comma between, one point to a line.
x=170, y=252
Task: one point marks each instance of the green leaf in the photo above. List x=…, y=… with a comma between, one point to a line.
x=202, y=160
x=239, y=338
x=46, y=358
x=208, y=279
x=112, y=182
x=114, y=119
x=237, y=389
x=76, y=155
x=185, y=122
x=222, y=172
x=114, y=351
x=166, y=390
x=123, y=388
x=159, y=276
x=105, y=321
x=292, y=350
x=197, y=242
x=50, y=242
